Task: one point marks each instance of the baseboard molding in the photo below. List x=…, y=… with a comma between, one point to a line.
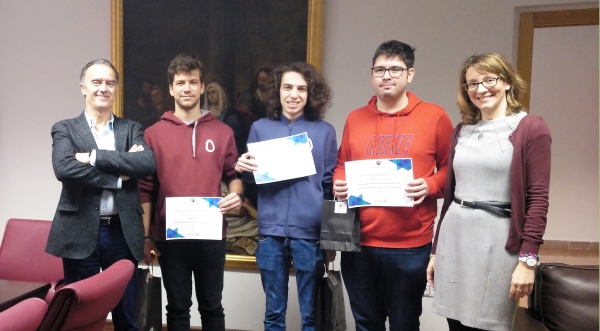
x=565, y=244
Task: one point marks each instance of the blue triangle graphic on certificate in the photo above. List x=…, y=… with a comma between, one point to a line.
x=213, y=202
x=357, y=201
x=299, y=139
x=402, y=164
x=174, y=233
x=263, y=177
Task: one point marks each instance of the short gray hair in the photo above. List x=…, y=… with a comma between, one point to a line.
x=99, y=61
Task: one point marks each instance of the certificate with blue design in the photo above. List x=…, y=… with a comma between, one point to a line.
x=283, y=158
x=193, y=218
x=379, y=182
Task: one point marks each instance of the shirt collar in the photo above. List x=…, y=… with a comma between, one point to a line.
x=287, y=121
x=92, y=122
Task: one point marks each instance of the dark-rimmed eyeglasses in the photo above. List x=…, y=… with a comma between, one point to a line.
x=395, y=72
x=488, y=82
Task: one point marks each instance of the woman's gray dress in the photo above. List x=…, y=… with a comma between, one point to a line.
x=473, y=271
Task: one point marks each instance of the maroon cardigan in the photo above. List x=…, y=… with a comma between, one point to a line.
x=529, y=184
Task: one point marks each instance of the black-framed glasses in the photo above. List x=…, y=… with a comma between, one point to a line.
x=395, y=72
x=488, y=82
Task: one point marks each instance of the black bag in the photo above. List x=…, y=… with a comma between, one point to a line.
x=339, y=231
x=330, y=313
x=148, y=314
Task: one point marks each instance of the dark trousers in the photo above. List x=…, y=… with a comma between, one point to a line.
x=111, y=248
x=455, y=325
x=386, y=283
x=205, y=259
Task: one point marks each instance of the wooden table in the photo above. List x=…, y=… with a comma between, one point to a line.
x=15, y=291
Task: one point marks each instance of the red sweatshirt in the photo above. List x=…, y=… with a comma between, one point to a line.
x=420, y=131
x=191, y=160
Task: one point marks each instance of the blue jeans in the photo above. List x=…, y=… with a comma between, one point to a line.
x=205, y=259
x=274, y=256
x=386, y=282
x=111, y=247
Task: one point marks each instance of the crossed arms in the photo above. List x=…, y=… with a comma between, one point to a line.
x=70, y=158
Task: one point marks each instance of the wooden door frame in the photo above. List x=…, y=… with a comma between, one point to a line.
x=545, y=19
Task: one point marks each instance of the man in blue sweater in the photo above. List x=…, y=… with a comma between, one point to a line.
x=289, y=212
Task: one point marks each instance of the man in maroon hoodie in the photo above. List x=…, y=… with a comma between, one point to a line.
x=194, y=153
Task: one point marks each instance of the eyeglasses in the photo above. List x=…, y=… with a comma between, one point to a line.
x=488, y=82
x=395, y=72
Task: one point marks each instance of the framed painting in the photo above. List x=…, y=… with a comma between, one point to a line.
x=236, y=41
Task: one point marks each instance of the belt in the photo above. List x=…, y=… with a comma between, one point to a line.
x=501, y=209
x=109, y=219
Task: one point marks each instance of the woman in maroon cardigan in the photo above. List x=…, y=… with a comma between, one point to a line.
x=496, y=200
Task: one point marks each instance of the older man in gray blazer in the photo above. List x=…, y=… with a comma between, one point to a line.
x=98, y=158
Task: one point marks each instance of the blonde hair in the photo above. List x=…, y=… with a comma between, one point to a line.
x=493, y=63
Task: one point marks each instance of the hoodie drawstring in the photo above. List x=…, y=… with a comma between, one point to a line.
x=194, y=139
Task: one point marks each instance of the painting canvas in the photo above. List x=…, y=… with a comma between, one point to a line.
x=235, y=39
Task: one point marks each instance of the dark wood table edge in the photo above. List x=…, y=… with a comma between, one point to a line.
x=39, y=292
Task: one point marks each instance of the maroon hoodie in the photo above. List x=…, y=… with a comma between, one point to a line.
x=191, y=160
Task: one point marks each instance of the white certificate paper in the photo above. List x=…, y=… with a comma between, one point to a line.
x=379, y=182
x=283, y=158
x=194, y=218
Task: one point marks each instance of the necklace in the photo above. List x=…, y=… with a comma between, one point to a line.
x=477, y=130
x=479, y=133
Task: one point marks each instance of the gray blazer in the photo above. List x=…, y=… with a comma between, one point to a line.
x=74, y=231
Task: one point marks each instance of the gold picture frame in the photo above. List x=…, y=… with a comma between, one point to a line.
x=314, y=39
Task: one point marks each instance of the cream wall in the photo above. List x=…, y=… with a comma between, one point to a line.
x=44, y=45
x=571, y=111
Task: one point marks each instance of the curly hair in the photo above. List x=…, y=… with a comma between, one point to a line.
x=319, y=93
x=496, y=64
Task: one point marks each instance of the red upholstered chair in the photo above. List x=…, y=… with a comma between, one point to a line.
x=22, y=254
x=24, y=316
x=84, y=305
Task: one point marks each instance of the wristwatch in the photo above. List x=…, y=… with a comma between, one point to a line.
x=530, y=259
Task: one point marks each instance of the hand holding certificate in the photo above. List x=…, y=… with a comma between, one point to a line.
x=283, y=158
x=379, y=182
x=194, y=218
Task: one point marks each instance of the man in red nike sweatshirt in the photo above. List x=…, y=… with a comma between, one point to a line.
x=387, y=278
